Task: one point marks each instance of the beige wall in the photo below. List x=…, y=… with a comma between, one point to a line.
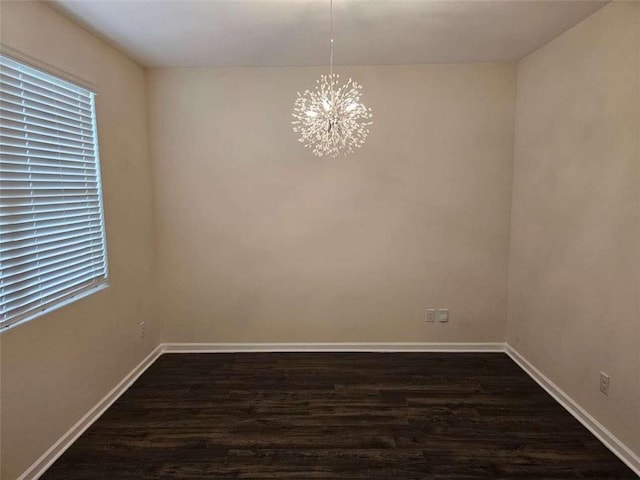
x=56, y=367
x=259, y=241
x=573, y=289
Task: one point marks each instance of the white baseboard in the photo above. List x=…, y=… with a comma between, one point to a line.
x=623, y=452
x=57, y=449
x=330, y=347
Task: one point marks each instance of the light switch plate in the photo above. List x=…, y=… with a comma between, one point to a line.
x=443, y=315
x=431, y=315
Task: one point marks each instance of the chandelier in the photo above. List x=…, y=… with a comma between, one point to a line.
x=331, y=119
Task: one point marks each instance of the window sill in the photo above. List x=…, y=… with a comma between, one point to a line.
x=75, y=297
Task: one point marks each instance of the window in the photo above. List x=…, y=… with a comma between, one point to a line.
x=52, y=240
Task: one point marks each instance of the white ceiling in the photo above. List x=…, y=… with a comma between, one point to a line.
x=295, y=32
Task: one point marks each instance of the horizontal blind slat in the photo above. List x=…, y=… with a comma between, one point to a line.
x=43, y=142
x=38, y=276
x=11, y=240
x=15, y=77
x=27, y=89
x=39, y=240
x=10, y=229
x=10, y=121
x=46, y=191
x=43, y=174
x=49, y=301
x=11, y=264
x=25, y=229
x=28, y=99
x=13, y=70
x=15, y=113
x=27, y=269
x=12, y=148
x=38, y=196
x=13, y=183
x=42, y=293
x=7, y=227
x=75, y=159
x=34, y=146
x=78, y=226
x=32, y=83
x=51, y=247
x=18, y=315
x=16, y=244
x=16, y=166
x=23, y=288
x=34, y=131
x=17, y=71
x=7, y=211
x=12, y=203
x=54, y=115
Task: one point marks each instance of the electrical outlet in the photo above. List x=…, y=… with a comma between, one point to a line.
x=604, y=383
x=143, y=333
x=431, y=315
x=443, y=315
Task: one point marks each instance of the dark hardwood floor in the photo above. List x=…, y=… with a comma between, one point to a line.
x=336, y=416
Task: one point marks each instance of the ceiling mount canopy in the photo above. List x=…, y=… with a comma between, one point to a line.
x=331, y=119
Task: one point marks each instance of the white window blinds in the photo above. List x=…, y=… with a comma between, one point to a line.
x=52, y=241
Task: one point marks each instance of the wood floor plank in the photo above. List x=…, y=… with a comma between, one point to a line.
x=330, y=416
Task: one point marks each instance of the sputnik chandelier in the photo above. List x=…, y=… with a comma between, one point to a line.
x=331, y=119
